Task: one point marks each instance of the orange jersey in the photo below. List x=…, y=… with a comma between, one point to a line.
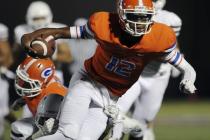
x=52, y=88
x=117, y=65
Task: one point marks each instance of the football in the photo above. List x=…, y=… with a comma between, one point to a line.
x=44, y=47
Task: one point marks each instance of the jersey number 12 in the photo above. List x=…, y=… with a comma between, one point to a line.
x=120, y=66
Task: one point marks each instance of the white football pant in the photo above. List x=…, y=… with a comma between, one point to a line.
x=147, y=95
x=82, y=116
x=22, y=129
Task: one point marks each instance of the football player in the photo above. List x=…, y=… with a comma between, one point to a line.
x=128, y=40
x=43, y=93
x=6, y=60
x=153, y=80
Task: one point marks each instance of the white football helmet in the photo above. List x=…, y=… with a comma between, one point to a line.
x=39, y=15
x=135, y=16
x=159, y=4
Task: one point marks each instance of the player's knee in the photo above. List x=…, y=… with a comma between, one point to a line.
x=16, y=133
x=15, y=127
x=21, y=130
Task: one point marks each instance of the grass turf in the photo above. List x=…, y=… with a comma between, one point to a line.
x=182, y=120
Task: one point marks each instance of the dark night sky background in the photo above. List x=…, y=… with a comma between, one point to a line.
x=194, y=38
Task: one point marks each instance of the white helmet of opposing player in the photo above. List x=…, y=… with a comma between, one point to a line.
x=159, y=4
x=39, y=15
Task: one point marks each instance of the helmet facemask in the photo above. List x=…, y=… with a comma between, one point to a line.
x=136, y=21
x=26, y=86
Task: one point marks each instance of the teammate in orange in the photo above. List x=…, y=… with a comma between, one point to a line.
x=37, y=85
x=128, y=40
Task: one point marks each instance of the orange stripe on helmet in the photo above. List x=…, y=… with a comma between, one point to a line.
x=131, y=4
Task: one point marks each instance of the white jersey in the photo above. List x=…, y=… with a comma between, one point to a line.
x=169, y=18
x=3, y=32
x=22, y=29
x=172, y=20
x=5, y=74
x=4, y=99
x=81, y=50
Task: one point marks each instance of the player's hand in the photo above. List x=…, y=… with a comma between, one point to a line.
x=112, y=111
x=18, y=104
x=187, y=87
x=46, y=129
x=27, y=39
x=48, y=126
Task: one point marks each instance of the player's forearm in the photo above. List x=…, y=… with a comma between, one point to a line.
x=176, y=59
x=189, y=75
x=187, y=70
x=55, y=32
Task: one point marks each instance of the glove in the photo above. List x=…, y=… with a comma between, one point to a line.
x=112, y=111
x=187, y=87
x=18, y=104
x=48, y=125
x=46, y=129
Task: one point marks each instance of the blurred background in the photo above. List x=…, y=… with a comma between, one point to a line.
x=182, y=117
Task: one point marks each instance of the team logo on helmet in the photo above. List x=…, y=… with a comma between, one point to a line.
x=46, y=73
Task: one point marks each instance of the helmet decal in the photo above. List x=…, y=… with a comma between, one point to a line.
x=46, y=73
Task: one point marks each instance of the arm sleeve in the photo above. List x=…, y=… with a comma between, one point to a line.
x=83, y=32
x=176, y=59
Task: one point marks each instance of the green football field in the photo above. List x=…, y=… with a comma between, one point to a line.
x=183, y=120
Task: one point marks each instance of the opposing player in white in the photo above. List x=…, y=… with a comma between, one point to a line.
x=39, y=15
x=5, y=61
x=76, y=46
x=148, y=91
